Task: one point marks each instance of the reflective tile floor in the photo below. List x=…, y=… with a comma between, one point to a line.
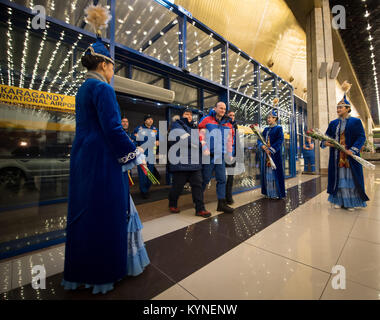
x=267, y=249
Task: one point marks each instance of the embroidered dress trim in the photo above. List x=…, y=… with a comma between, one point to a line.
x=356, y=150
x=270, y=179
x=93, y=53
x=128, y=157
x=347, y=195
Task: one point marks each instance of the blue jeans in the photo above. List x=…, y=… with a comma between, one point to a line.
x=144, y=182
x=220, y=175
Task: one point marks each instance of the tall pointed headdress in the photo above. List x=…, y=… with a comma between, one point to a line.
x=98, y=17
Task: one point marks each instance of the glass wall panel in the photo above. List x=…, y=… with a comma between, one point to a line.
x=37, y=124
x=247, y=112
x=71, y=12
x=147, y=77
x=148, y=27
x=265, y=111
x=285, y=122
x=267, y=87
x=210, y=99
x=241, y=73
x=285, y=97
x=185, y=95
x=299, y=133
x=204, y=54
x=39, y=62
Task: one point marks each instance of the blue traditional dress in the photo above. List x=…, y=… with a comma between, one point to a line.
x=309, y=157
x=102, y=222
x=272, y=181
x=345, y=175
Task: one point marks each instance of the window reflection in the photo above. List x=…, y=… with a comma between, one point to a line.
x=185, y=95
x=267, y=87
x=247, y=112
x=147, y=77
x=210, y=99
x=149, y=28
x=285, y=96
x=285, y=122
x=71, y=12
x=204, y=54
x=242, y=75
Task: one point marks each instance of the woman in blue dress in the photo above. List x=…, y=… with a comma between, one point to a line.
x=272, y=180
x=103, y=240
x=308, y=155
x=345, y=175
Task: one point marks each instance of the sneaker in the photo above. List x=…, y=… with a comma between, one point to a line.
x=351, y=209
x=203, y=214
x=174, y=210
x=337, y=206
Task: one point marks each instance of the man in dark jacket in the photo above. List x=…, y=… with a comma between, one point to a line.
x=184, y=167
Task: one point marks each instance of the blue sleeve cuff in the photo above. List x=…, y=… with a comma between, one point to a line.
x=355, y=150
x=323, y=144
x=130, y=156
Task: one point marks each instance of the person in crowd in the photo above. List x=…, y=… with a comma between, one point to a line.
x=125, y=125
x=272, y=180
x=97, y=251
x=216, y=149
x=188, y=169
x=147, y=135
x=309, y=155
x=230, y=177
x=345, y=175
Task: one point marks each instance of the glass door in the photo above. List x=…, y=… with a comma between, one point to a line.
x=285, y=122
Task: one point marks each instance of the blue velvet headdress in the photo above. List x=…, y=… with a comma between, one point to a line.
x=98, y=17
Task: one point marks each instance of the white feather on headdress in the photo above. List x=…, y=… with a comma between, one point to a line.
x=346, y=86
x=97, y=17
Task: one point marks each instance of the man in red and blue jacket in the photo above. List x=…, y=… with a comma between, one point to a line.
x=216, y=138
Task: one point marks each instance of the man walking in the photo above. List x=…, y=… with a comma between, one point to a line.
x=188, y=168
x=147, y=136
x=216, y=139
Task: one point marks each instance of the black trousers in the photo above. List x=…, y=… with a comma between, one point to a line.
x=229, y=184
x=179, y=180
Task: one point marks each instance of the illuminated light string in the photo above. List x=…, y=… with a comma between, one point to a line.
x=71, y=50
x=24, y=54
x=72, y=9
x=70, y=74
x=9, y=49
x=42, y=45
x=75, y=86
x=58, y=45
x=1, y=77
x=371, y=48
